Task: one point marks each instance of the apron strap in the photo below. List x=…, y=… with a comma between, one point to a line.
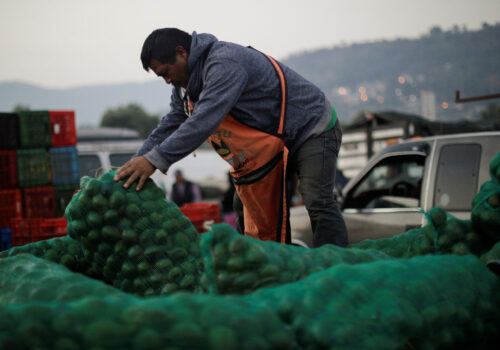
x=283, y=93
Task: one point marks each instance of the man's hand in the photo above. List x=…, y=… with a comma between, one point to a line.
x=136, y=168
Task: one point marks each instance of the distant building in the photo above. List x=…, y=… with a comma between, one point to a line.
x=428, y=104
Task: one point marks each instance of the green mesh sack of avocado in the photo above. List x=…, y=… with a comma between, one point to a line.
x=492, y=254
x=135, y=240
x=45, y=306
x=28, y=279
x=180, y=321
x=425, y=302
x=444, y=234
x=236, y=264
x=62, y=250
x=486, y=205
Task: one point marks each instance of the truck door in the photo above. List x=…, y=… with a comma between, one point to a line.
x=386, y=200
x=457, y=178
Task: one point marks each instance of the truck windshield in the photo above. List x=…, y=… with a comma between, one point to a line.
x=395, y=182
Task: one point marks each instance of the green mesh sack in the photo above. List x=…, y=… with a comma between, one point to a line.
x=425, y=302
x=180, y=321
x=486, y=205
x=26, y=278
x=62, y=250
x=135, y=240
x=444, y=234
x=492, y=254
x=236, y=264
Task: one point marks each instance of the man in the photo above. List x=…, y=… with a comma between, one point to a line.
x=259, y=115
x=184, y=191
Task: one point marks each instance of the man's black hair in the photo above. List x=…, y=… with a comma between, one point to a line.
x=161, y=44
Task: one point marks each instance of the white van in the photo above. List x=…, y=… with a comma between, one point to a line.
x=104, y=149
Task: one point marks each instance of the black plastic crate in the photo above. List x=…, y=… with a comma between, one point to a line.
x=9, y=130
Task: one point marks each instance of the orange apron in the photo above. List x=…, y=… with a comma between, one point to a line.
x=258, y=167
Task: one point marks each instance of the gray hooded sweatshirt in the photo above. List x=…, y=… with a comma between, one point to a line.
x=227, y=78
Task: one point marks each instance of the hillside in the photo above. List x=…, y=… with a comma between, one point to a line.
x=404, y=74
x=89, y=102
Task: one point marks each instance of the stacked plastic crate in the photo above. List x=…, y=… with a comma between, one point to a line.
x=38, y=174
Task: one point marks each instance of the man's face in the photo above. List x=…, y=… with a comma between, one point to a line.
x=176, y=73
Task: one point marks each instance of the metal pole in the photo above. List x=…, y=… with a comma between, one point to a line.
x=458, y=99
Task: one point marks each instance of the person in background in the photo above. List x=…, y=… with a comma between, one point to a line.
x=184, y=191
x=228, y=206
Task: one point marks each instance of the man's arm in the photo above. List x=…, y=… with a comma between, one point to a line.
x=223, y=85
x=168, y=124
x=224, y=82
x=140, y=167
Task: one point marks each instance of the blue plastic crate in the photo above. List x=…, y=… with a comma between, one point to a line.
x=5, y=238
x=64, y=165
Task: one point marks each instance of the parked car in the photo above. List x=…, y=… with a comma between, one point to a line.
x=404, y=180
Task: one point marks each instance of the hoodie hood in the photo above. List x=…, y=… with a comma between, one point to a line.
x=200, y=45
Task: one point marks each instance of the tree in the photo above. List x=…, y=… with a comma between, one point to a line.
x=131, y=116
x=21, y=108
x=436, y=31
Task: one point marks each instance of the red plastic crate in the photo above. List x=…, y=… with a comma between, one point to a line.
x=50, y=228
x=21, y=231
x=39, y=202
x=8, y=169
x=202, y=214
x=26, y=231
x=11, y=206
x=62, y=128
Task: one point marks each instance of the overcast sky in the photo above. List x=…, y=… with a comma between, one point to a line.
x=66, y=43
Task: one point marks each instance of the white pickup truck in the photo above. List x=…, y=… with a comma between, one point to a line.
x=388, y=195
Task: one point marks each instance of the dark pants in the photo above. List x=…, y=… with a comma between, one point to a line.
x=315, y=163
x=238, y=209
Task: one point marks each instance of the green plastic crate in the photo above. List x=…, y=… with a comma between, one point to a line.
x=63, y=195
x=34, y=129
x=33, y=167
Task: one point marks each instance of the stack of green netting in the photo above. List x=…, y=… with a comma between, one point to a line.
x=444, y=234
x=425, y=302
x=45, y=306
x=135, y=240
x=27, y=278
x=373, y=295
x=450, y=302
x=486, y=205
x=62, y=250
x=236, y=264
